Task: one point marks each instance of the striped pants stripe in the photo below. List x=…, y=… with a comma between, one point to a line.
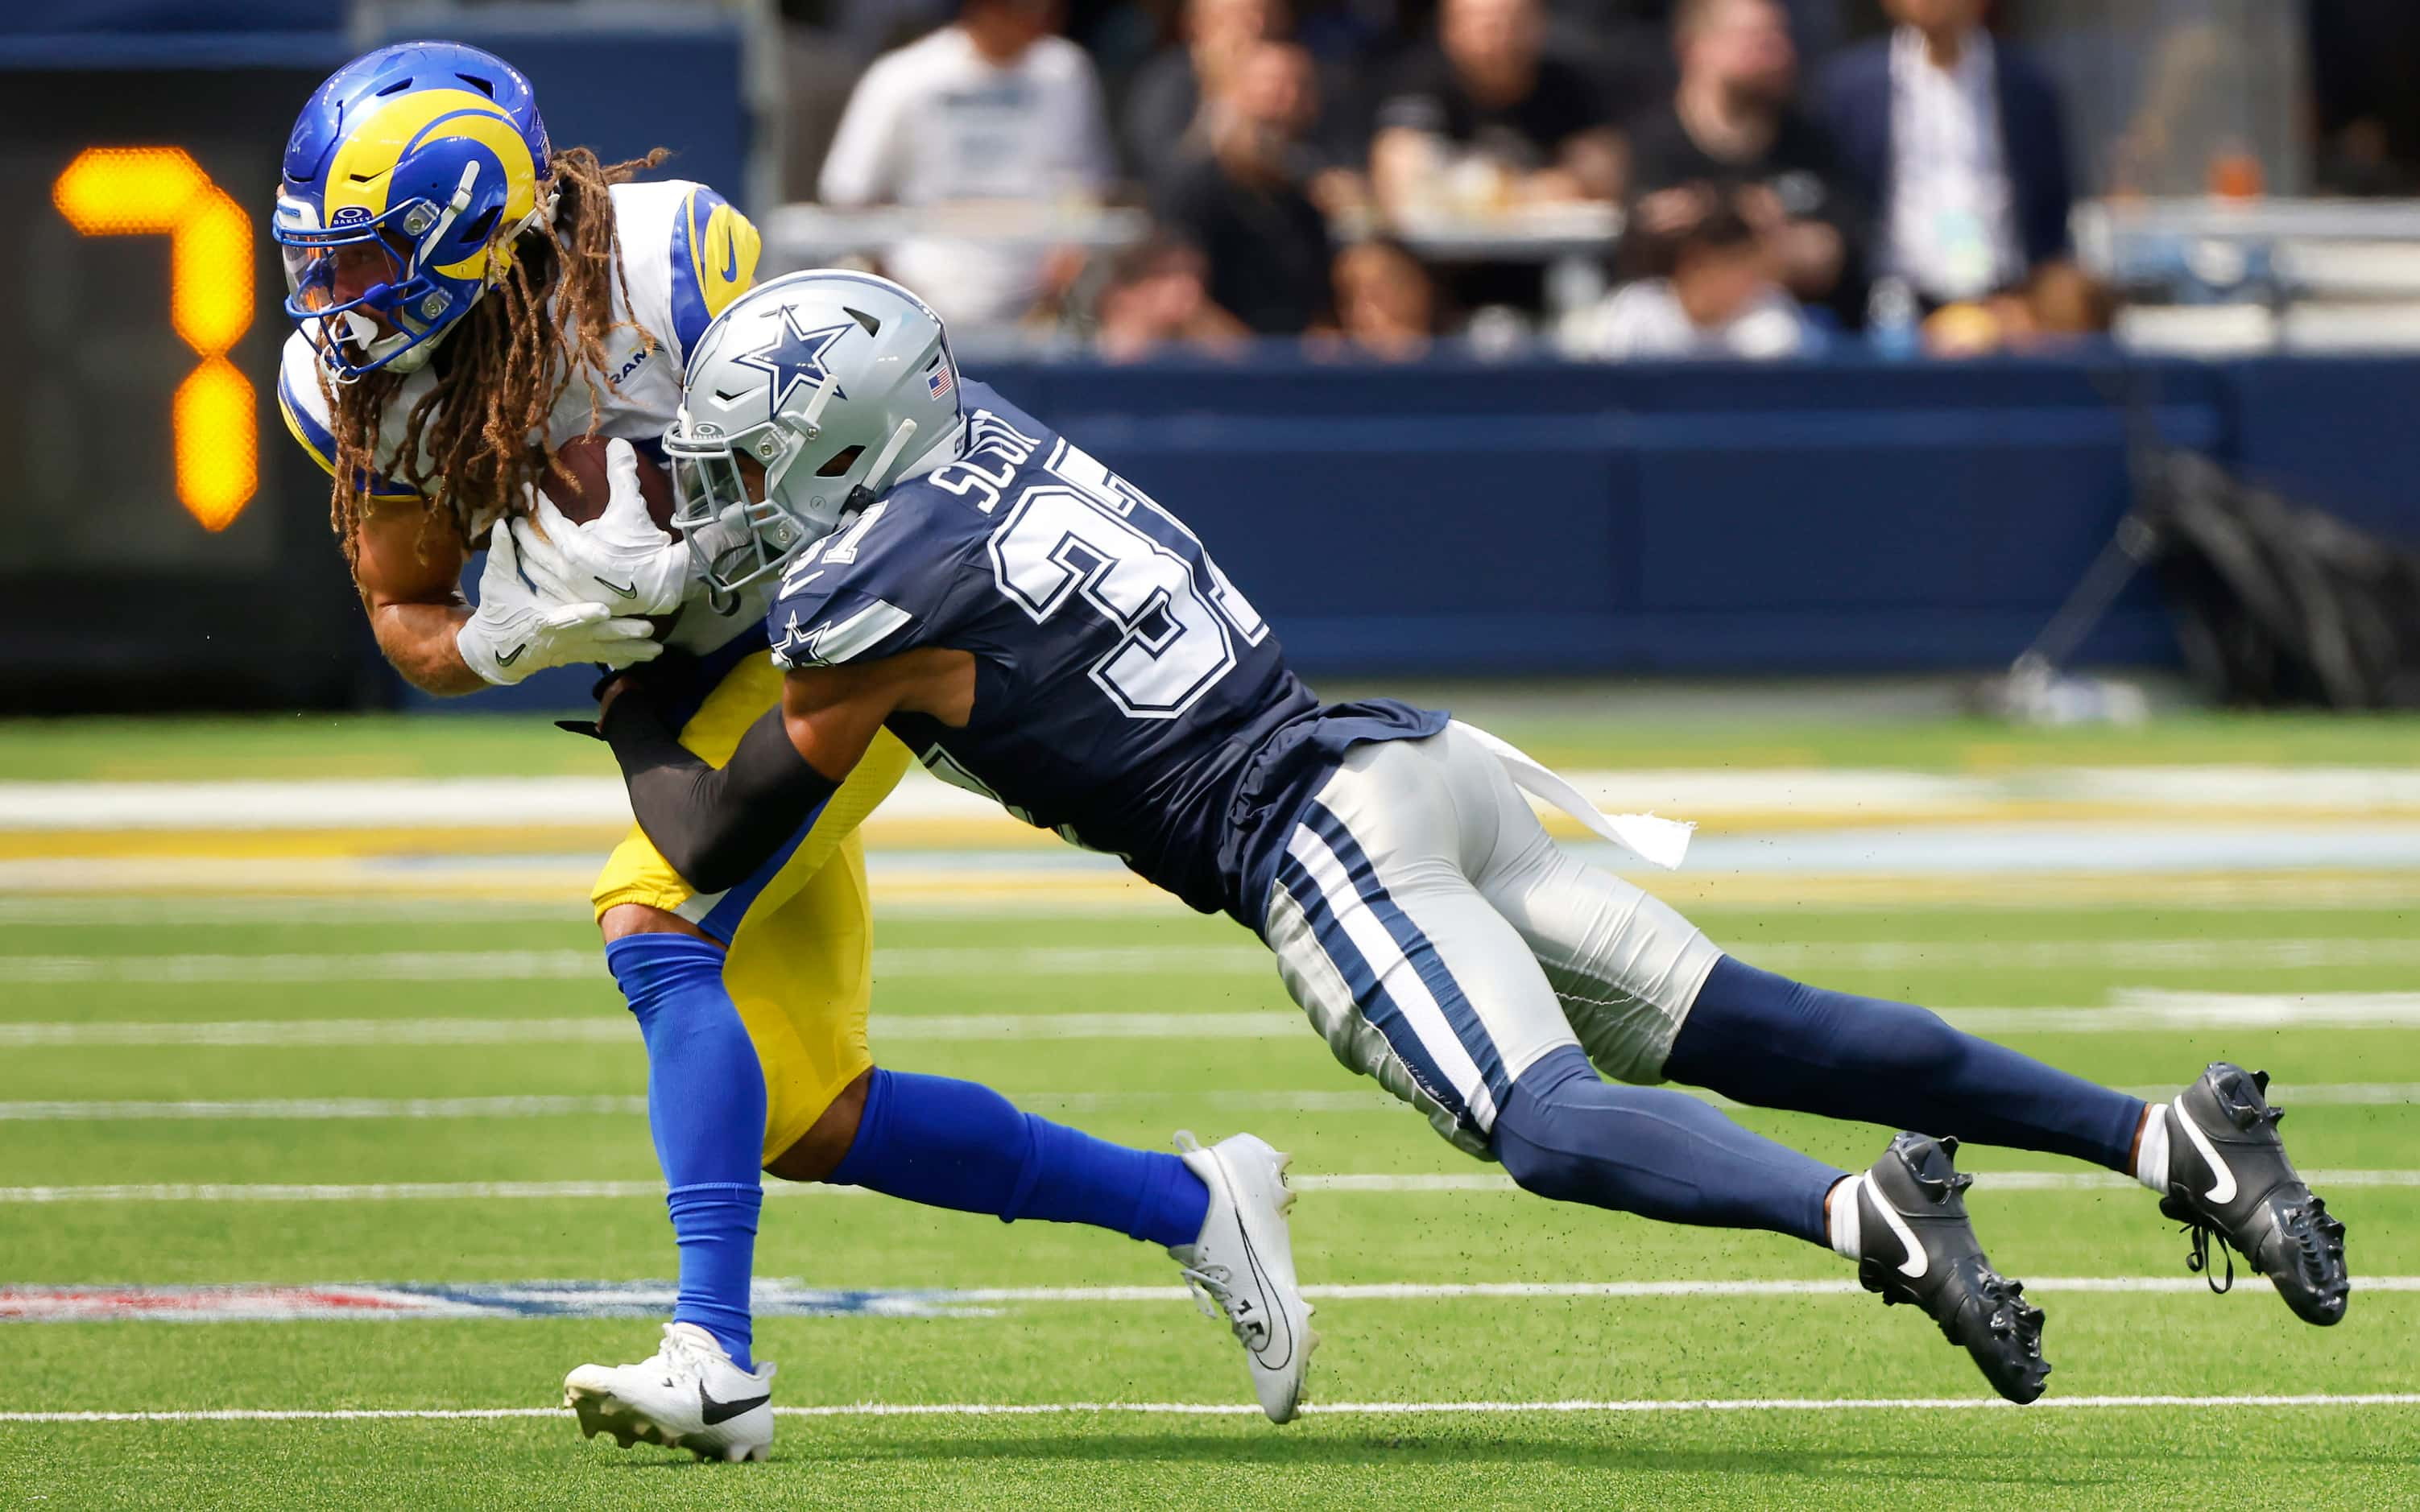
x=1442, y=942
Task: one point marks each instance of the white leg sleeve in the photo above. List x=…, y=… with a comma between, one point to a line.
x=1625, y=965
x=1412, y=977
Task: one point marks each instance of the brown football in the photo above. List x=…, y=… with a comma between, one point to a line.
x=584, y=459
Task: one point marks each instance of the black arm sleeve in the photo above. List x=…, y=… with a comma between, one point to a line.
x=716, y=825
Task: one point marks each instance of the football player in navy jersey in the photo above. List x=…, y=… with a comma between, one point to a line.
x=456, y=278
x=1034, y=627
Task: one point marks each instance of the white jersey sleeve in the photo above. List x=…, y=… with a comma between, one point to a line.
x=688, y=252
x=304, y=406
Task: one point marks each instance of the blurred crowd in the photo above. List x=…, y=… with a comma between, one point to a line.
x=1613, y=178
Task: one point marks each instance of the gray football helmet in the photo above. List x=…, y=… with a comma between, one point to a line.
x=831, y=383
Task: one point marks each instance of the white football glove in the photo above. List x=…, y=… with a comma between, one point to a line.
x=515, y=631
x=619, y=558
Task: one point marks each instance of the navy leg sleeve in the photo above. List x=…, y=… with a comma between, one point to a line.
x=1768, y=1040
x=1565, y=1133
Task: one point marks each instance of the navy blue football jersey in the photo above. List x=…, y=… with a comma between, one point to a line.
x=1127, y=695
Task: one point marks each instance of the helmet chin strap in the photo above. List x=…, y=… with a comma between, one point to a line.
x=454, y=209
x=811, y=420
x=872, y=484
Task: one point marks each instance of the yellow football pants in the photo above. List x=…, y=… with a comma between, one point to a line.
x=800, y=965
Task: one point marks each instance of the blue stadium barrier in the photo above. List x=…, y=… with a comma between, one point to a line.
x=1846, y=516
x=2340, y=433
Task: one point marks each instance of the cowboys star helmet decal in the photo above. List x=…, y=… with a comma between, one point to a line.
x=796, y=358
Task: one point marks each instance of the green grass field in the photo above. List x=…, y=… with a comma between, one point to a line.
x=375, y=1090
x=373, y=1109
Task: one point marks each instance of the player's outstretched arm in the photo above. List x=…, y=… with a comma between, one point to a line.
x=717, y=825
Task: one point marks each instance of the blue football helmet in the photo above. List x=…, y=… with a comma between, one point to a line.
x=400, y=170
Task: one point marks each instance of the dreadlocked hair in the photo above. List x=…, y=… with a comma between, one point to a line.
x=479, y=437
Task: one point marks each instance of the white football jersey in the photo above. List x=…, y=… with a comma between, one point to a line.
x=687, y=254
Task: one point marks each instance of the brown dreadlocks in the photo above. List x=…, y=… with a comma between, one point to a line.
x=479, y=437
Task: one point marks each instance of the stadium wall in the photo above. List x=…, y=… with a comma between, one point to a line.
x=1547, y=517
x=1456, y=516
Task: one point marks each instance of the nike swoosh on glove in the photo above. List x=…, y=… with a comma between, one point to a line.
x=515, y=630
x=619, y=558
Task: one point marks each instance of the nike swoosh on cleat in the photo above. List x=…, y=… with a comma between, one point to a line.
x=2223, y=1176
x=513, y=655
x=714, y=1411
x=1917, y=1262
x=1261, y=1277
x=632, y=592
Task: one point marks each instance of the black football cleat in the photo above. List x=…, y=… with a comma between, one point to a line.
x=2228, y=1176
x=1919, y=1248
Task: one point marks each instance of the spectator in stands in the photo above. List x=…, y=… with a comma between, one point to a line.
x=1958, y=143
x=992, y=108
x=1241, y=200
x=1164, y=115
x=1716, y=298
x=1159, y=296
x=1488, y=110
x=1731, y=126
x=1166, y=118
x=1387, y=304
x=1815, y=25
x=2365, y=57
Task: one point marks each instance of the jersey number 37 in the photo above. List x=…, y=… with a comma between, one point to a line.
x=1084, y=540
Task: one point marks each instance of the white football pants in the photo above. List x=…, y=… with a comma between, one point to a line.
x=1442, y=942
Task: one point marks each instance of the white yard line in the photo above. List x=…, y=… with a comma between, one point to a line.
x=403, y=910
x=1040, y=882
x=2341, y=1094
x=574, y=964
x=2135, y=1009
x=493, y=802
x=1990, y=1181
x=600, y=1028
x=410, y=1302
x=367, y=966
x=355, y=899
x=1241, y=959
x=1567, y=1405
x=2065, y=955
x=318, y=1108
x=615, y=1029
x=538, y=1191
x=2152, y=1007
x=108, y=910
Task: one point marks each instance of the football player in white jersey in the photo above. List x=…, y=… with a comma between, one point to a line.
x=469, y=301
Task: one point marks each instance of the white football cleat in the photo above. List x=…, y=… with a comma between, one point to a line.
x=1243, y=1265
x=689, y=1397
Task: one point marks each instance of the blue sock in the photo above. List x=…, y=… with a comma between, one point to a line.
x=705, y=1109
x=1568, y=1134
x=1765, y=1039
x=952, y=1144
